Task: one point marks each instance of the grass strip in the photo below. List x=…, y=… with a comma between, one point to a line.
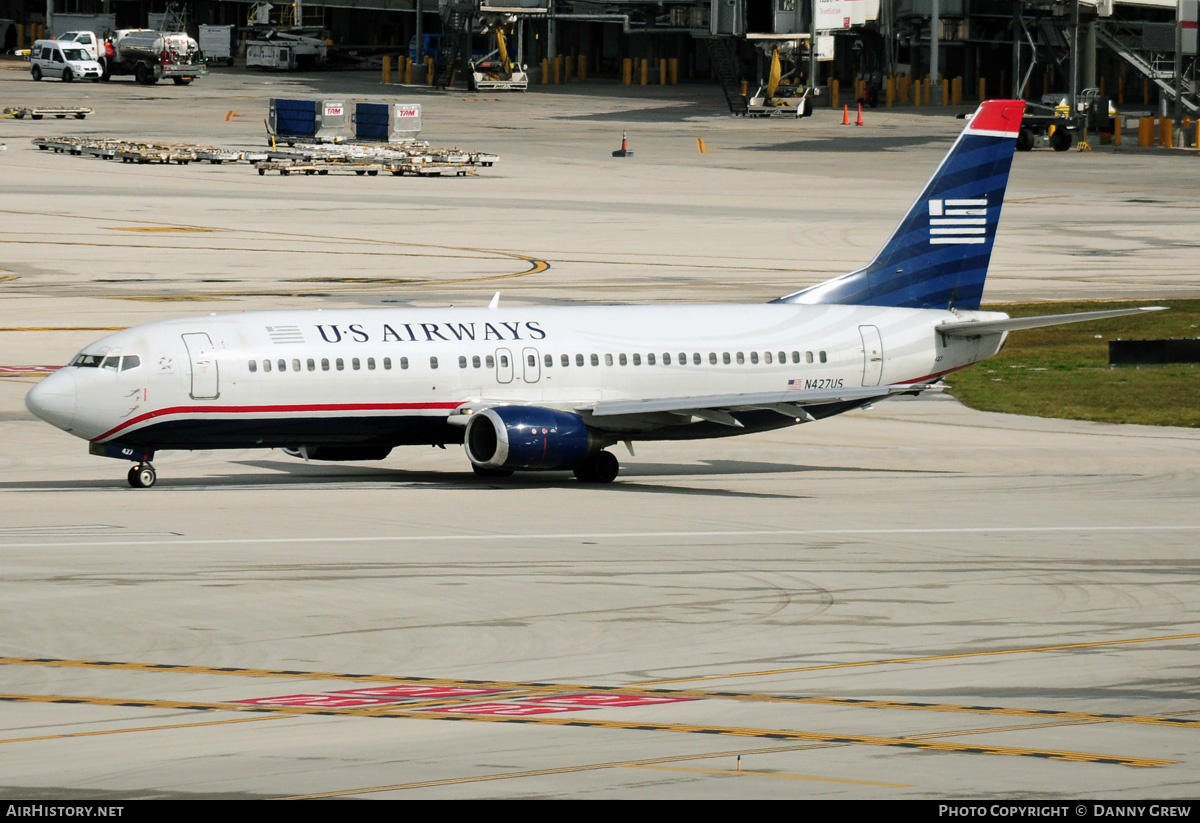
x=1063, y=371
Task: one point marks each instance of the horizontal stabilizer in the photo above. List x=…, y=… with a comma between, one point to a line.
x=975, y=328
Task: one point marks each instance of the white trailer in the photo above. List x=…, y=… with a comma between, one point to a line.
x=282, y=50
x=217, y=44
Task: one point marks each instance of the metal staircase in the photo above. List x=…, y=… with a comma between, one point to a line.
x=721, y=52
x=456, y=44
x=1157, y=67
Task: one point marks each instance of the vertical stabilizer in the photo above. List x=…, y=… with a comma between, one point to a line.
x=938, y=256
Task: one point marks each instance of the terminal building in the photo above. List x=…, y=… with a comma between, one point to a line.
x=1124, y=48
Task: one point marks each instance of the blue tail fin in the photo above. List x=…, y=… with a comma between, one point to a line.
x=938, y=256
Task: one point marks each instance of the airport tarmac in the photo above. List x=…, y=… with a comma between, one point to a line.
x=912, y=601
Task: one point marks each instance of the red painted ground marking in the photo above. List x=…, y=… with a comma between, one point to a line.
x=590, y=701
x=328, y=701
x=508, y=709
x=28, y=369
x=402, y=692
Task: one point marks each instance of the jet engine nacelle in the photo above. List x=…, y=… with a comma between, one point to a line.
x=528, y=437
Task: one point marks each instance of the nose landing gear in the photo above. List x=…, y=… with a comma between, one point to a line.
x=142, y=476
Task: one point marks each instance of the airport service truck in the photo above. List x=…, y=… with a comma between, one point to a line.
x=146, y=54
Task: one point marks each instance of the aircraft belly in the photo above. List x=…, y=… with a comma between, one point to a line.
x=242, y=432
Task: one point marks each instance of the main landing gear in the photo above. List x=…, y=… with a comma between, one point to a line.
x=599, y=468
x=142, y=476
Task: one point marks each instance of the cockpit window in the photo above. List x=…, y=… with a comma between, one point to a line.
x=111, y=364
x=87, y=361
x=130, y=361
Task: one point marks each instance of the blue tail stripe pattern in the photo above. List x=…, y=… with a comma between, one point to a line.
x=938, y=256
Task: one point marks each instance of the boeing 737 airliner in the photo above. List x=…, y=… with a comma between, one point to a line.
x=528, y=388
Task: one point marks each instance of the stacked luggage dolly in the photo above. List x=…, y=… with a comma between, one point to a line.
x=142, y=152
x=38, y=112
x=333, y=136
x=414, y=158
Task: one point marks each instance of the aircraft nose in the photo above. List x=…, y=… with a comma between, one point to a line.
x=53, y=399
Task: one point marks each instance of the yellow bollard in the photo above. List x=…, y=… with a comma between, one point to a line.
x=387, y=70
x=1164, y=133
x=982, y=89
x=20, y=37
x=673, y=64
x=891, y=91
x=566, y=68
x=545, y=71
x=429, y=72
x=744, y=88
x=582, y=68
x=945, y=93
x=645, y=71
x=662, y=71
x=408, y=64
x=1145, y=131
x=917, y=96
x=1116, y=138
x=556, y=71
x=627, y=72
x=833, y=93
x=925, y=92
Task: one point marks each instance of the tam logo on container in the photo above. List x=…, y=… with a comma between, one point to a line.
x=408, y=111
x=334, y=111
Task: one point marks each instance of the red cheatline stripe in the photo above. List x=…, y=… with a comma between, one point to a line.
x=235, y=410
x=27, y=369
x=1188, y=24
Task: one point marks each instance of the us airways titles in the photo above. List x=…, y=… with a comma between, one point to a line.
x=431, y=332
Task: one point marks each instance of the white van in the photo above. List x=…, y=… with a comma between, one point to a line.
x=63, y=58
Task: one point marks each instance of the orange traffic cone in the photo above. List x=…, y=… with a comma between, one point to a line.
x=624, y=151
x=859, y=121
x=846, y=116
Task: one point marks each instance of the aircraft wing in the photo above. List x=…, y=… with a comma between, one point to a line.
x=716, y=408
x=975, y=328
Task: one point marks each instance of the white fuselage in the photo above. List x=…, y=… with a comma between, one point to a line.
x=296, y=377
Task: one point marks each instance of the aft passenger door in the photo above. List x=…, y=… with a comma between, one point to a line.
x=205, y=380
x=872, y=355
